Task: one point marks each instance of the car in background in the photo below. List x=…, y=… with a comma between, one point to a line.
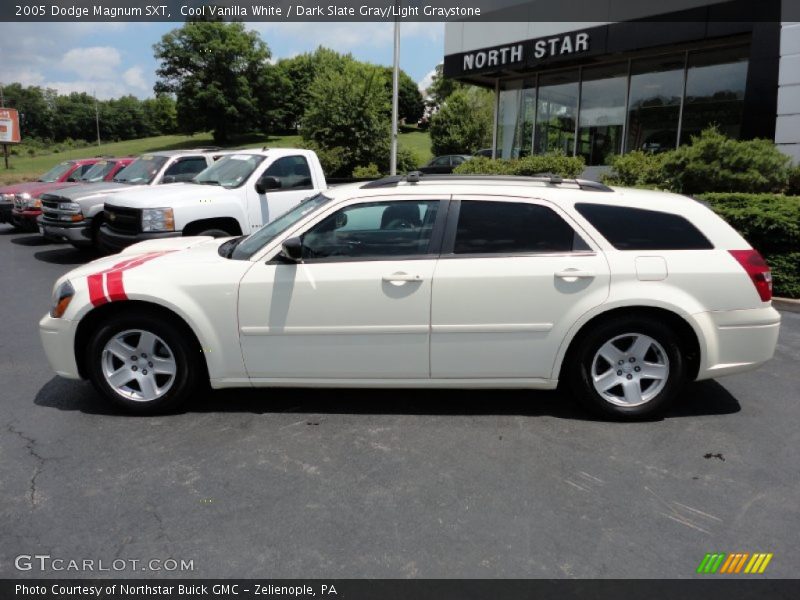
x=485, y=152
x=63, y=172
x=621, y=295
x=76, y=213
x=442, y=165
x=27, y=208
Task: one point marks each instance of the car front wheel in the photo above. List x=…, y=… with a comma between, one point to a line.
x=628, y=369
x=143, y=364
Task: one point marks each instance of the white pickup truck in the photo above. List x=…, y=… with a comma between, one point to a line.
x=236, y=195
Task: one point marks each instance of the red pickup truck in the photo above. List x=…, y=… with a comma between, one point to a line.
x=20, y=203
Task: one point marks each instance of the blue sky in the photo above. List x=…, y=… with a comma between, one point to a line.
x=113, y=59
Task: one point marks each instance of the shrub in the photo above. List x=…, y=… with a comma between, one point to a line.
x=369, y=172
x=554, y=163
x=771, y=224
x=715, y=163
x=407, y=160
x=636, y=169
x=793, y=184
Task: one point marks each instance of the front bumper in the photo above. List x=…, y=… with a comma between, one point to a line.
x=75, y=233
x=737, y=340
x=114, y=241
x=25, y=219
x=58, y=339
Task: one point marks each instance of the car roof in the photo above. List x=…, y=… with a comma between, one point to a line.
x=556, y=189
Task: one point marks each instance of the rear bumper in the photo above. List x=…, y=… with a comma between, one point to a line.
x=737, y=340
x=113, y=241
x=58, y=339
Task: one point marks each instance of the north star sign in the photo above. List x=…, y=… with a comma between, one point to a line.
x=541, y=49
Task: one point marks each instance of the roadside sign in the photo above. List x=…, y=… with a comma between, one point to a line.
x=9, y=126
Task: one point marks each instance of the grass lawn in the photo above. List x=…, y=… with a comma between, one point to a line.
x=26, y=168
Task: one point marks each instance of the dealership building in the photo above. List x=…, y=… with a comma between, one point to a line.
x=598, y=89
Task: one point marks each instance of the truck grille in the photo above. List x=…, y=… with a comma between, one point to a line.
x=123, y=219
x=50, y=210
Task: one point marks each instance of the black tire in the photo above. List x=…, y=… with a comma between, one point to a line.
x=214, y=232
x=94, y=234
x=189, y=375
x=581, y=361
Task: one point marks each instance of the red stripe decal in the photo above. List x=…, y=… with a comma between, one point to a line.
x=114, y=289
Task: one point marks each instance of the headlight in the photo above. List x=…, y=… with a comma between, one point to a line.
x=7, y=197
x=37, y=203
x=158, y=219
x=62, y=296
x=24, y=196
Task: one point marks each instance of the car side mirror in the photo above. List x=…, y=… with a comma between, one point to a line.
x=168, y=179
x=71, y=179
x=267, y=182
x=293, y=249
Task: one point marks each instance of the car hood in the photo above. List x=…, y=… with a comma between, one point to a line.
x=31, y=187
x=173, y=250
x=170, y=195
x=87, y=190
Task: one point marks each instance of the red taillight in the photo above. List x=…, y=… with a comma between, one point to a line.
x=757, y=269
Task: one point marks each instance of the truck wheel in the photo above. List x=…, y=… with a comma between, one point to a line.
x=628, y=369
x=142, y=363
x=215, y=233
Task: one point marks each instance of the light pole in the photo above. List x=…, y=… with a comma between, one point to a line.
x=395, y=89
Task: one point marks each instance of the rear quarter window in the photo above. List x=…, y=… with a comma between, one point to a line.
x=639, y=229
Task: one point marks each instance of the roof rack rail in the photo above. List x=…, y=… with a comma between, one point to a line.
x=548, y=178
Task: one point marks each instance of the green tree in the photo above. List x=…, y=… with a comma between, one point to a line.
x=442, y=87
x=463, y=123
x=346, y=111
x=219, y=75
x=410, y=104
x=35, y=106
x=161, y=114
x=297, y=75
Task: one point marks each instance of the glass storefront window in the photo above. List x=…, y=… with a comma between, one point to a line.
x=643, y=104
x=602, y=112
x=557, y=108
x=656, y=90
x=715, y=84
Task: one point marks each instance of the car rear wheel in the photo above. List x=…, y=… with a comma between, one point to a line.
x=628, y=369
x=143, y=364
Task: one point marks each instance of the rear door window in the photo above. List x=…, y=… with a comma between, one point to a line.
x=512, y=228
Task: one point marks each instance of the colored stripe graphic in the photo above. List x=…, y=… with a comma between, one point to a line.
x=727, y=567
x=107, y=286
x=722, y=563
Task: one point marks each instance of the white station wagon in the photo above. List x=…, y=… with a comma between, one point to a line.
x=429, y=282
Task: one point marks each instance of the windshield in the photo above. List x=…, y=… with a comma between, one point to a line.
x=229, y=171
x=141, y=171
x=56, y=172
x=266, y=234
x=97, y=172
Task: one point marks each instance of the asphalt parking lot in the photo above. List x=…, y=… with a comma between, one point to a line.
x=361, y=483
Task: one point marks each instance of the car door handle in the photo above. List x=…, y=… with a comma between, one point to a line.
x=574, y=274
x=401, y=278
